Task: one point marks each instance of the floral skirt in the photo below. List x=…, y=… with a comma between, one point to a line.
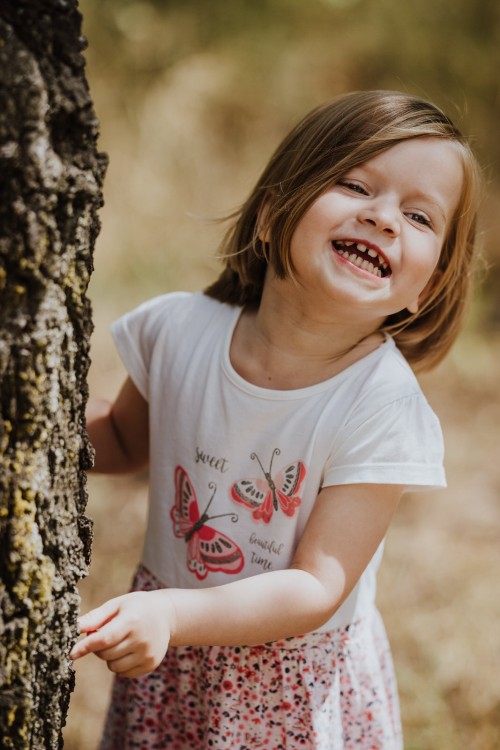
x=322, y=691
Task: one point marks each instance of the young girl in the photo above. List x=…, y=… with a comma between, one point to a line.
x=281, y=421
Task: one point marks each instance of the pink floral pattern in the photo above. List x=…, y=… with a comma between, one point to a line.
x=322, y=691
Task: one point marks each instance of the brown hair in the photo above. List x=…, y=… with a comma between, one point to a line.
x=327, y=143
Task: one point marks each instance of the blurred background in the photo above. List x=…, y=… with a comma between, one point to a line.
x=193, y=96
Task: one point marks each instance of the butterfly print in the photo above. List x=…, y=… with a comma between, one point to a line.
x=207, y=549
x=264, y=496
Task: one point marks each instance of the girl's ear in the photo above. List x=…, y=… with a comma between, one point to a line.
x=414, y=306
x=262, y=225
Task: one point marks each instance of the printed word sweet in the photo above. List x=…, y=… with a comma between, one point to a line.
x=220, y=464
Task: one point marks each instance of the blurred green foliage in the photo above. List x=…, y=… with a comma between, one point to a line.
x=447, y=51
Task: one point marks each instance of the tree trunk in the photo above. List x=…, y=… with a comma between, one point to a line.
x=50, y=180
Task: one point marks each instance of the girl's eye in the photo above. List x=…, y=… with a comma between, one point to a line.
x=354, y=186
x=419, y=218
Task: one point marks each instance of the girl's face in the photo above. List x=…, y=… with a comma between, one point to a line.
x=374, y=239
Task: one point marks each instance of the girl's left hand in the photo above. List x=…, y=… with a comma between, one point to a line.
x=131, y=633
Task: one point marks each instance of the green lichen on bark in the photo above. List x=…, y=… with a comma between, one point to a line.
x=50, y=191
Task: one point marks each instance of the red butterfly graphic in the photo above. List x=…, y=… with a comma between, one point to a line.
x=262, y=496
x=207, y=549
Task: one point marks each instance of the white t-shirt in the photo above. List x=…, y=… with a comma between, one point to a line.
x=235, y=468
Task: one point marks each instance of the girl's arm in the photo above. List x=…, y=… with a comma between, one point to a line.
x=119, y=431
x=132, y=632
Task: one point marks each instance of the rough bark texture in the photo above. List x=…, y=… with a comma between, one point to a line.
x=50, y=179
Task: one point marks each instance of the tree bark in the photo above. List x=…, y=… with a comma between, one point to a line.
x=50, y=190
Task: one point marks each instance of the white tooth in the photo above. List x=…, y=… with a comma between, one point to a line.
x=352, y=257
x=359, y=261
x=378, y=272
x=366, y=265
x=361, y=247
x=372, y=253
x=370, y=267
x=348, y=244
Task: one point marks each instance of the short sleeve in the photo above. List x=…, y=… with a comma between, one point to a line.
x=402, y=443
x=136, y=334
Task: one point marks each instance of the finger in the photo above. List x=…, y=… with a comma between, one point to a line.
x=132, y=665
x=96, y=618
x=122, y=649
x=108, y=637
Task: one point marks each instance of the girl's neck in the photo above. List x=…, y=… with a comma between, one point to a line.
x=284, y=346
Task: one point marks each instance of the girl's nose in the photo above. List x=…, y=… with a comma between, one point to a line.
x=382, y=216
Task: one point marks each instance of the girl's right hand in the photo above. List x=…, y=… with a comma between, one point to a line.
x=131, y=633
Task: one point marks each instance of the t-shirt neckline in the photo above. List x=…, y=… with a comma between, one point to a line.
x=275, y=394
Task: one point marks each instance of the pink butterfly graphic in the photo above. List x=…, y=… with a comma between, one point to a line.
x=263, y=496
x=207, y=549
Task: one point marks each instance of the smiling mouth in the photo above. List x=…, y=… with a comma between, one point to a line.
x=366, y=258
